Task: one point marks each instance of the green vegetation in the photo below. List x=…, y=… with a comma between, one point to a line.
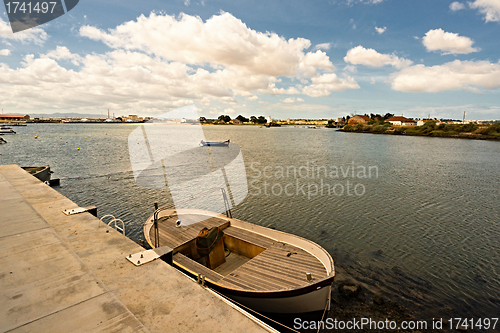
x=490, y=130
x=225, y=119
x=431, y=128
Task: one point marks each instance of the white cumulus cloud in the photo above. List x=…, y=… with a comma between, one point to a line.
x=291, y=100
x=161, y=61
x=351, y=2
x=448, y=42
x=322, y=46
x=369, y=57
x=323, y=85
x=489, y=8
x=454, y=6
x=380, y=30
x=34, y=35
x=455, y=75
x=62, y=52
x=221, y=40
x=4, y=52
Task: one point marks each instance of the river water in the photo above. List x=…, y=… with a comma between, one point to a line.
x=414, y=218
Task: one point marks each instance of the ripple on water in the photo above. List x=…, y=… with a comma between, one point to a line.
x=429, y=223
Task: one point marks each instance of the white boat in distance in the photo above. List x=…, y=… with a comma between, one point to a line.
x=6, y=130
x=266, y=270
x=214, y=143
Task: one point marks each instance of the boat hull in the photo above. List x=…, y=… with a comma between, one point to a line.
x=312, y=298
x=315, y=300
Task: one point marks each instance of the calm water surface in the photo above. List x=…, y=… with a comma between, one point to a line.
x=424, y=227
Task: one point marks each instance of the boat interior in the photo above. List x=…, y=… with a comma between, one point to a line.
x=241, y=259
x=33, y=170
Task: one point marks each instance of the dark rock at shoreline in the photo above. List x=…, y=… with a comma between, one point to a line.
x=348, y=290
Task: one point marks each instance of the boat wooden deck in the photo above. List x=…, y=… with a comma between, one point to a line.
x=279, y=267
x=173, y=236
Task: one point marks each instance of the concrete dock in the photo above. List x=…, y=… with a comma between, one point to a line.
x=63, y=273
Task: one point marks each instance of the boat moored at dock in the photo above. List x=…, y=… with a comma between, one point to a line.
x=266, y=270
x=214, y=143
x=42, y=172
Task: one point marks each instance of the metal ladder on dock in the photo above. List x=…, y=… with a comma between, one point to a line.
x=113, y=220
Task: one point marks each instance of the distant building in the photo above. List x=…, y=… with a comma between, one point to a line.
x=423, y=121
x=358, y=119
x=401, y=121
x=339, y=121
x=14, y=117
x=269, y=119
x=236, y=121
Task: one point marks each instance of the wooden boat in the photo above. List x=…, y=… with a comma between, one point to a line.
x=42, y=172
x=266, y=270
x=7, y=130
x=214, y=143
x=2, y=141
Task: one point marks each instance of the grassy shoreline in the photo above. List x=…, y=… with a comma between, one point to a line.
x=431, y=129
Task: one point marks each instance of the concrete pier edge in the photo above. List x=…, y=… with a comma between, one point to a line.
x=62, y=273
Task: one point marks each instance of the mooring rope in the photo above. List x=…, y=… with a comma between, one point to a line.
x=323, y=316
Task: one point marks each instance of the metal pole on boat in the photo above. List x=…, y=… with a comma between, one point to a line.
x=226, y=204
x=157, y=236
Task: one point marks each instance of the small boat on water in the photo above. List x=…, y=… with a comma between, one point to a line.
x=266, y=270
x=17, y=124
x=2, y=141
x=6, y=130
x=43, y=172
x=214, y=143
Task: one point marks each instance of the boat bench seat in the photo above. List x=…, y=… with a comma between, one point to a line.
x=249, y=237
x=197, y=267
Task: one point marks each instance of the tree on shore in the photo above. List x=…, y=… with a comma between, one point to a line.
x=225, y=118
x=242, y=119
x=261, y=120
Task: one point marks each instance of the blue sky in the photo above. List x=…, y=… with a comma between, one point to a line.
x=286, y=59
